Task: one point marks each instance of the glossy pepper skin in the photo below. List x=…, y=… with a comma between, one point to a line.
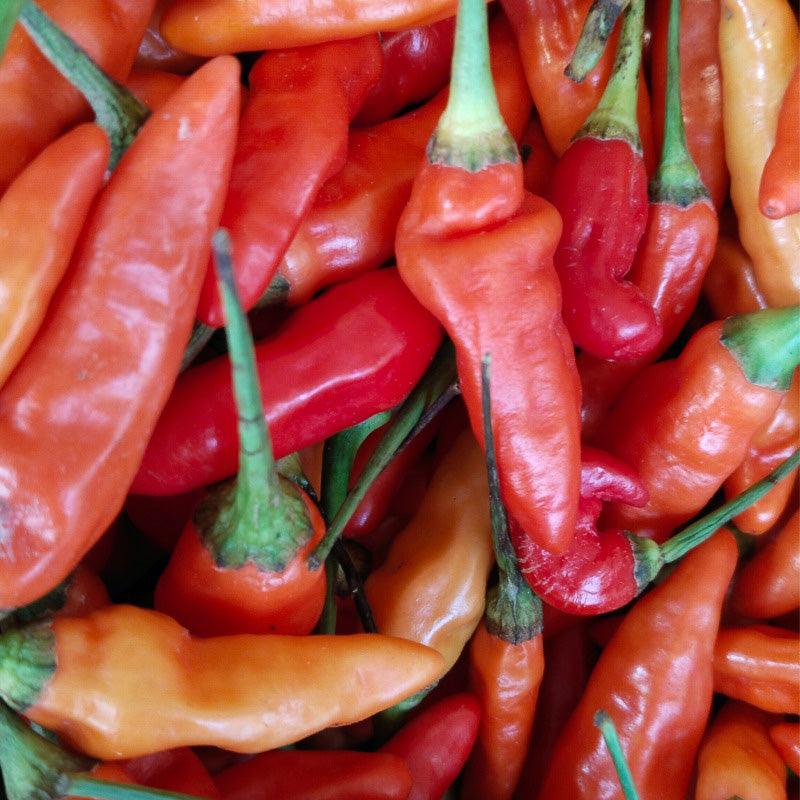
x=41, y=216
x=737, y=758
x=759, y=665
x=121, y=319
x=758, y=43
x=655, y=680
x=779, y=192
x=326, y=384
x=786, y=740
x=352, y=226
x=292, y=138
x=39, y=104
x=416, y=64
x=316, y=775
x=178, y=770
x=124, y=682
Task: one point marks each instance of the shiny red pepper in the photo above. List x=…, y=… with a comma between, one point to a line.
x=178, y=770
x=786, y=739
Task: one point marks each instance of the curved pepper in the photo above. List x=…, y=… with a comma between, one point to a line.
x=41, y=215
x=759, y=665
x=758, y=44
x=83, y=401
x=655, y=680
x=124, y=682
x=786, y=740
x=326, y=383
x=730, y=284
x=155, y=53
x=151, y=86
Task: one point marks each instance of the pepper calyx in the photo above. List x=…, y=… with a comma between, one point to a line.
x=27, y=662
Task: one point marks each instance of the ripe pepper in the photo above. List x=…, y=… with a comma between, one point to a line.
x=124, y=682
x=760, y=665
x=779, y=192
x=655, y=680
x=684, y=425
x=292, y=138
x=352, y=226
x=240, y=564
x=786, y=739
x=39, y=104
x=155, y=53
x=72, y=437
x=538, y=159
x=737, y=758
x=758, y=44
x=151, y=86
x=416, y=64
x=326, y=383
x=730, y=284
x=41, y=215
x=600, y=189
x=477, y=251
x=178, y=770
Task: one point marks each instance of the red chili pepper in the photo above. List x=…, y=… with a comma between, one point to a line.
x=178, y=770
x=416, y=64
x=435, y=745
x=292, y=138
x=322, y=775
x=316, y=382
x=538, y=159
x=162, y=519
x=786, y=739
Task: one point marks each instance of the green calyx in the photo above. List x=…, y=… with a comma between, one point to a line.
x=647, y=560
x=766, y=345
x=615, y=115
x=471, y=133
x=53, y=601
x=600, y=21
x=9, y=11
x=27, y=662
x=116, y=110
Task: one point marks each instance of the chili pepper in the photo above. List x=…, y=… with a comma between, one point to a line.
x=779, y=192
x=730, y=283
x=700, y=88
x=39, y=104
x=321, y=775
x=538, y=159
x=72, y=438
x=155, y=53
x=684, y=425
x=124, y=682
x=352, y=226
x=655, y=680
x=760, y=665
x=326, y=383
x=162, y=519
x=292, y=137
x=214, y=27
x=506, y=655
x=416, y=64
x=41, y=215
x=240, y=564
x=477, y=251
x=786, y=740
x=151, y=86
x=758, y=44
x=435, y=745
x=177, y=770
x=737, y=758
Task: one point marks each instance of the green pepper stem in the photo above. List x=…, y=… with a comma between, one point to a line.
x=27, y=662
x=609, y=732
x=677, y=180
x=597, y=27
x=471, y=133
x=766, y=344
x=106, y=790
x=117, y=111
x=8, y=19
x=615, y=115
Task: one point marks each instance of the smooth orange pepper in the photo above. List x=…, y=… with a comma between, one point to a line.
x=786, y=738
x=153, y=86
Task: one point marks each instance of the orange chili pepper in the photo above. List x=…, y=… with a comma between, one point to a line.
x=758, y=43
x=779, y=193
x=124, y=682
x=153, y=86
x=41, y=215
x=786, y=739
x=737, y=758
x=759, y=665
x=38, y=103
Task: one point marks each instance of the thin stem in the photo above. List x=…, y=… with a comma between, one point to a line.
x=327, y=619
x=8, y=19
x=106, y=790
x=609, y=732
x=117, y=111
x=600, y=21
x=355, y=586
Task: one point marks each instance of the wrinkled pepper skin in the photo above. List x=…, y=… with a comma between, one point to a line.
x=292, y=138
x=129, y=682
x=758, y=44
x=316, y=775
x=82, y=403
x=41, y=215
x=684, y=426
x=326, y=384
x=38, y=103
x=737, y=758
x=759, y=665
x=786, y=740
x=213, y=27
x=655, y=681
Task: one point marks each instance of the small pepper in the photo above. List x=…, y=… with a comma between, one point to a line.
x=786, y=739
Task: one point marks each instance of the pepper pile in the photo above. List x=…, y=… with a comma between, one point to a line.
x=399, y=401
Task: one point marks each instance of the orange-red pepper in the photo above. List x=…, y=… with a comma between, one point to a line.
x=155, y=53
x=538, y=160
x=730, y=284
x=152, y=86
x=786, y=738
